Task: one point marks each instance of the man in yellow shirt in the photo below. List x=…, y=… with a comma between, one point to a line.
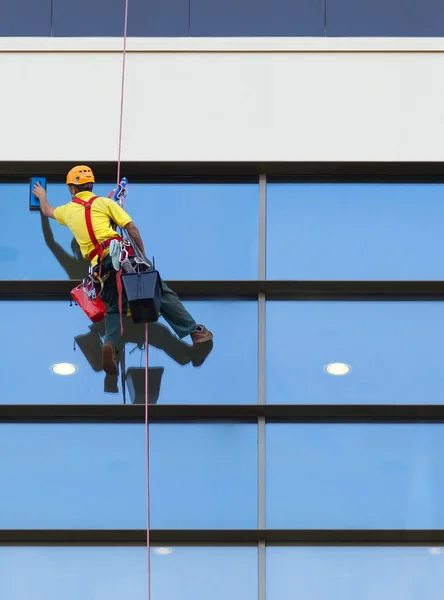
x=91, y=219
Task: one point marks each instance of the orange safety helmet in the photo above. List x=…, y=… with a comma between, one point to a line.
x=80, y=175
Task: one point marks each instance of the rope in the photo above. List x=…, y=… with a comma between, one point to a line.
x=122, y=91
x=147, y=449
x=147, y=438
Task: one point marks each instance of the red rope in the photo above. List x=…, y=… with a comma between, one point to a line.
x=122, y=92
x=147, y=437
x=147, y=449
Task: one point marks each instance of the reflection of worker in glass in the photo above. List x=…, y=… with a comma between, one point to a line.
x=74, y=264
x=104, y=213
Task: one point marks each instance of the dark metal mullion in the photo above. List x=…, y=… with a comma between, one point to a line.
x=168, y=171
x=309, y=537
x=249, y=413
x=250, y=290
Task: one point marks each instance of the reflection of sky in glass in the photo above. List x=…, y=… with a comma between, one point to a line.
x=93, y=476
x=394, y=350
x=195, y=231
x=41, y=334
x=119, y=573
x=340, y=573
x=355, y=476
x=355, y=231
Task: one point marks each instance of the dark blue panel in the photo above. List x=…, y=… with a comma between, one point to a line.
x=228, y=376
x=357, y=572
x=25, y=18
x=94, y=476
x=385, y=18
x=323, y=231
x=115, y=573
x=105, y=18
x=350, y=476
x=257, y=18
x=394, y=350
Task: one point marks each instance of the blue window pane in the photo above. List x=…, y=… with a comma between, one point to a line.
x=355, y=476
x=195, y=231
x=117, y=573
x=354, y=572
x=156, y=18
x=392, y=348
x=204, y=573
x=199, y=231
x=204, y=476
x=385, y=18
x=93, y=476
x=355, y=231
x=26, y=18
x=257, y=17
x=55, y=332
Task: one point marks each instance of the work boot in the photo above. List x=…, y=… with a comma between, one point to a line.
x=202, y=345
x=109, y=362
x=201, y=335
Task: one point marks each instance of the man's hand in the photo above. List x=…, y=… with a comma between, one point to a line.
x=39, y=192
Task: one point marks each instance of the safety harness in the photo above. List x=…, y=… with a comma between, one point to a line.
x=93, y=279
x=98, y=246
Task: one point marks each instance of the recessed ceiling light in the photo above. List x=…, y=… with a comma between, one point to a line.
x=163, y=551
x=435, y=550
x=337, y=369
x=63, y=369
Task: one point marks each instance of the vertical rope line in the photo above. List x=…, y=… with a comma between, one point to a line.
x=122, y=91
x=147, y=448
x=147, y=453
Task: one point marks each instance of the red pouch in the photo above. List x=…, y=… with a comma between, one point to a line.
x=94, y=309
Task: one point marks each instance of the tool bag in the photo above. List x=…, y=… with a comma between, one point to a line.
x=93, y=308
x=144, y=292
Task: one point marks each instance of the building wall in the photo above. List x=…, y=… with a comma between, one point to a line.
x=270, y=477
x=223, y=100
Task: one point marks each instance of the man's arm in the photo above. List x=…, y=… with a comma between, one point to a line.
x=45, y=206
x=135, y=234
x=123, y=220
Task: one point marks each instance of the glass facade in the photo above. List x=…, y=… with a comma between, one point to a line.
x=194, y=231
x=59, y=333
x=354, y=572
x=392, y=350
x=121, y=572
x=92, y=476
x=353, y=231
x=301, y=457
x=354, y=476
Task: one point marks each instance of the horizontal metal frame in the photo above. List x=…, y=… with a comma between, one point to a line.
x=247, y=413
x=12, y=171
x=302, y=537
x=250, y=289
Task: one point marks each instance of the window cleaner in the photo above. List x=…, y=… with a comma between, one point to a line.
x=93, y=221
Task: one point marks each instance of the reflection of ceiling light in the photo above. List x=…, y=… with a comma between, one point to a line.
x=435, y=550
x=337, y=369
x=163, y=551
x=63, y=369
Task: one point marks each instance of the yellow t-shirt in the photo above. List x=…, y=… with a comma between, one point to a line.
x=104, y=212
